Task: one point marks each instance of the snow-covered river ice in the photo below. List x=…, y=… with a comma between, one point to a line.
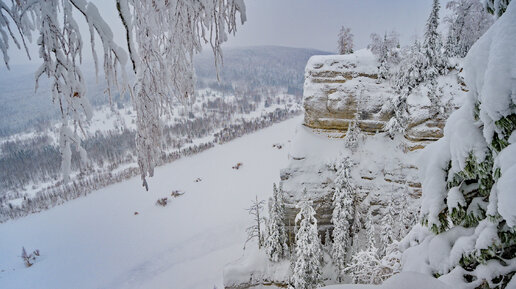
x=99, y=241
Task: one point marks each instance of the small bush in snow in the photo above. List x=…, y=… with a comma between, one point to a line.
x=162, y=202
x=29, y=259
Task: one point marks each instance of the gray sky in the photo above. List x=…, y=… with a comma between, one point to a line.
x=315, y=23
x=298, y=23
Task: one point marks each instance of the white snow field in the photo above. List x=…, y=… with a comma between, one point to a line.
x=97, y=241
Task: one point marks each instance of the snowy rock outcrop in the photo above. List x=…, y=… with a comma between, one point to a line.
x=339, y=92
x=382, y=169
x=341, y=89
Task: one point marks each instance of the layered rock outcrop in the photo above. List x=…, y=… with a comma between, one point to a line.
x=339, y=89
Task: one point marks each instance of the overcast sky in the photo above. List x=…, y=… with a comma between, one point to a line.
x=300, y=23
x=315, y=23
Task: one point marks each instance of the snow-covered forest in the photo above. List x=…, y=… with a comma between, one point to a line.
x=147, y=149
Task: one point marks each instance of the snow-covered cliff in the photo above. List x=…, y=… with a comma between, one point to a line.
x=341, y=91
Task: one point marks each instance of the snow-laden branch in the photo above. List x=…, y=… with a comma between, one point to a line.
x=167, y=35
x=162, y=39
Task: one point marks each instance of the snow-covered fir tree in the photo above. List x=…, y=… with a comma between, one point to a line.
x=436, y=62
x=328, y=244
x=308, y=252
x=398, y=122
x=421, y=62
x=468, y=21
x=406, y=217
x=386, y=49
x=411, y=71
x=390, y=264
x=370, y=228
x=345, y=42
x=343, y=213
x=468, y=181
x=376, y=263
x=276, y=239
x=387, y=231
x=353, y=134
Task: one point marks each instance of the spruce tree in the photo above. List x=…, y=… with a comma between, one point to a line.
x=383, y=58
x=307, y=267
x=276, y=240
x=343, y=213
x=432, y=45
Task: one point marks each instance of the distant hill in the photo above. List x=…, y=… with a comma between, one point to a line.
x=262, y=66
x=258, y=66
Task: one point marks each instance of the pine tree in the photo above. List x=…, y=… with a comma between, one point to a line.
x=307, y=267
x=422, y=62
x=328, y=244
x=398, y=123
x=432, y=45
x=276, y=240
x=343, y=213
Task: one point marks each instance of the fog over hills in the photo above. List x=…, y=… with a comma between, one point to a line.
x=22, y=108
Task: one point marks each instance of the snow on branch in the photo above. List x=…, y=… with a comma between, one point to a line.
x=162, y=39
x=168, y=35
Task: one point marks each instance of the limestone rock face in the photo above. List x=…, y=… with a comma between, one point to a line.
x=341, y=88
